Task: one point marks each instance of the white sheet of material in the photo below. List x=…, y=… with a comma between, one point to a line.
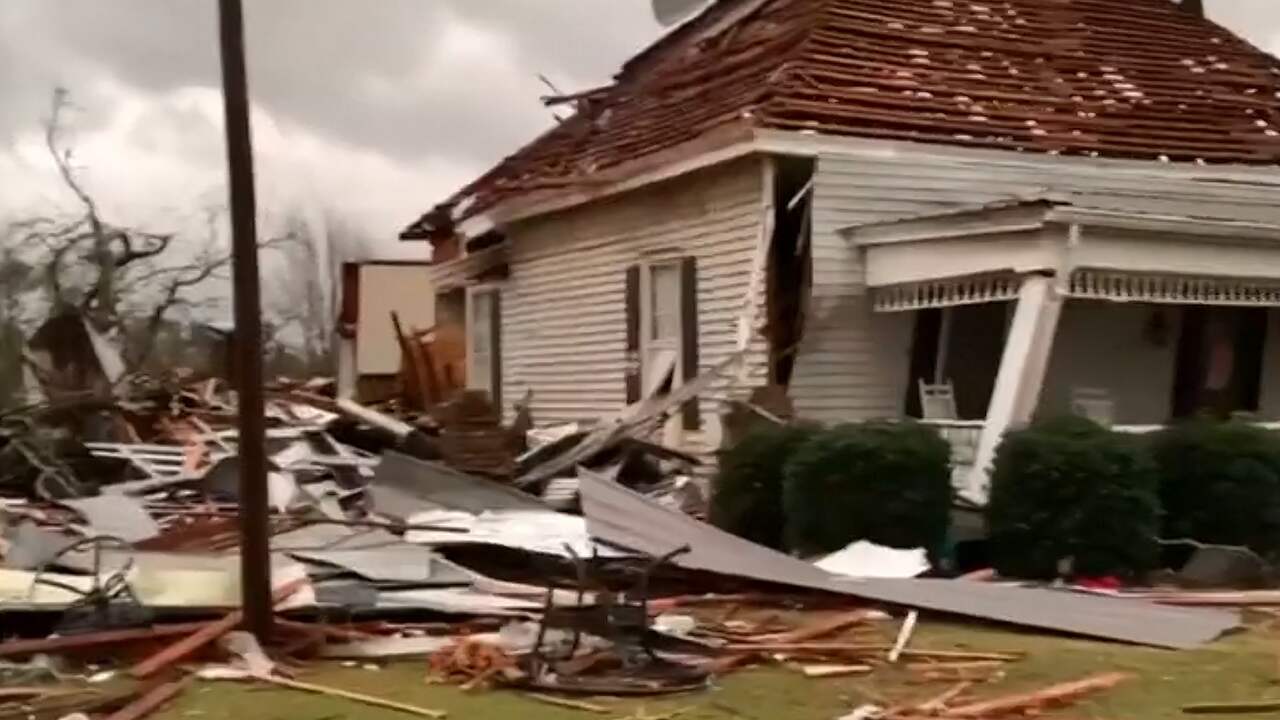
x=539, y=531
x=867, y=559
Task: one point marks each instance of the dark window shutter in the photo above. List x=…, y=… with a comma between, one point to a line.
x=495, y=348
x=632, y=365
x=689, y=333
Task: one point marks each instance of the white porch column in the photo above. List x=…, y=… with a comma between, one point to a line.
x=1021, y=374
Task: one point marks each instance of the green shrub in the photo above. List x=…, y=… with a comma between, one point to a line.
x=1069, y=488
x=1220, y=483
x=747, y=499
x=887, y=483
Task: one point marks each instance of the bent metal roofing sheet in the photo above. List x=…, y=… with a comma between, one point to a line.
x=620, y=517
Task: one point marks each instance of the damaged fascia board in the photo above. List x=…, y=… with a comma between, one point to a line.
x=623, y=518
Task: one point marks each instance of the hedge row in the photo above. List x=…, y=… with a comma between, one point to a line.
x=814, y=490
x=1071, y=492
x=1067, y=496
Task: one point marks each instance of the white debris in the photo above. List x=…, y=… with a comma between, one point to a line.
x=868, y=559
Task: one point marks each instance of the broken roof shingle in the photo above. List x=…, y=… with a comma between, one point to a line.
x=1121, y=78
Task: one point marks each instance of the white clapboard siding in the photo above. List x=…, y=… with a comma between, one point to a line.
x=563, y=306
x=853, y=363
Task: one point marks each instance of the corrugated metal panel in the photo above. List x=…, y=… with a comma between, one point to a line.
x=851, y=368
x=405, y=485
x=563, y=324
x=623, y=518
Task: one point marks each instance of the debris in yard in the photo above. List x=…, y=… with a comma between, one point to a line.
x=1233, y=708
x=471, y=662
x=904, y=636
x=568, y=703
x=354, y=697
x=826, y=671
x=939, y=702
x=1035, y=702
x=150, y=701
x=867, y=559
x=388, y=546
x=204, y=636
x=623, y=518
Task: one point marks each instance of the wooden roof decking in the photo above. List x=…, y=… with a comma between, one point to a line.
x=1114, y=78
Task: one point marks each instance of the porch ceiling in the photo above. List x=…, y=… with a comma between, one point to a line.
x=1061, y=235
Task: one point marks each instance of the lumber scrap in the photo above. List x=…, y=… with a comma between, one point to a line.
x=826, y=671
x=150, y=701
x=352, y=696
x=89, y=641
x=904, y=636
x=1232, y=708
x=1033, y=701
x=939, y=702
x=569, y=703
x=868, y=649
x=821, y=628
x=209, y=633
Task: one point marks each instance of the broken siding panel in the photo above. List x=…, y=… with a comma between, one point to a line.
x=564, y=322
x=852, y=367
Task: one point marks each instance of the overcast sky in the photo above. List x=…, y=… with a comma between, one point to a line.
x=376, y=108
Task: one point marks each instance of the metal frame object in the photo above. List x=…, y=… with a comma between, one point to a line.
x=105, y=594
x=625, y=623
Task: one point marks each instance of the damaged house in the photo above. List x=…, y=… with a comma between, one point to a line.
x=966, y=212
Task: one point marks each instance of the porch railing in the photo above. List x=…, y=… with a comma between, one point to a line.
x=963, y=436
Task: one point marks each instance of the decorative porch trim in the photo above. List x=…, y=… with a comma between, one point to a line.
x=968, y=290
x=1184, y=289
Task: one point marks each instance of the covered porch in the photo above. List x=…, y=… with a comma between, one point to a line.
x=1049, y=307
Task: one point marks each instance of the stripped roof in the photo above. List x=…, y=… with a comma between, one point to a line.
x=1119, y=78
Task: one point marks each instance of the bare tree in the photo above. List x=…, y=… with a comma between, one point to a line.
x=120, y=277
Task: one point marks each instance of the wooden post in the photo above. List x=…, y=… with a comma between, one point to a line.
x=255, y=560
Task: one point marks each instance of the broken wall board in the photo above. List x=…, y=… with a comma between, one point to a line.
x=115, y=516
x=456, y=601
x=538, y=531
x=399, y=562
x=621, y=517
x=404, y=485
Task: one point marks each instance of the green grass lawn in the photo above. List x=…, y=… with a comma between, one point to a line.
x=1240, y=667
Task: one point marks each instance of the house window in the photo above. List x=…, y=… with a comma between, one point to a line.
x=661, y=300
x=663, y=331
x=483, y=353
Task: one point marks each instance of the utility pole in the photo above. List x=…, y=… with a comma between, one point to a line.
x=255, y=560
